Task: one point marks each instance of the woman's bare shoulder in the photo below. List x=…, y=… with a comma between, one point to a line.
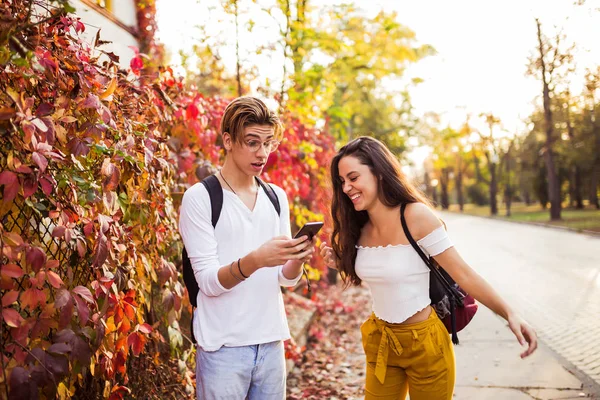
x=421, y=220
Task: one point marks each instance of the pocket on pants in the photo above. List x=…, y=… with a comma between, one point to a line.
x=367, y=330
x=432, y=343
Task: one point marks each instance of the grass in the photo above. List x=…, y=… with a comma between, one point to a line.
x=587, y=219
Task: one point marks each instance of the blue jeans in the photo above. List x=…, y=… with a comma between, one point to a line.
x=255, y=372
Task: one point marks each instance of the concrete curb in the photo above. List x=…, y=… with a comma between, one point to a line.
x=562, y=228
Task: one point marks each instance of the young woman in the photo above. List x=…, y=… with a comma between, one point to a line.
x=408, y=348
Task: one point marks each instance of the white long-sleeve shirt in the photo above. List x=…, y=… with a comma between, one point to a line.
x=251, y=312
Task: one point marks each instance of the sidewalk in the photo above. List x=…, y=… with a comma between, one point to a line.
x=489, y=367
x=488, y=362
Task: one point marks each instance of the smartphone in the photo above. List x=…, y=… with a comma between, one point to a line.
x=309, y=229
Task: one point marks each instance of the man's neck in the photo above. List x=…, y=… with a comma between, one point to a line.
x=237, y=178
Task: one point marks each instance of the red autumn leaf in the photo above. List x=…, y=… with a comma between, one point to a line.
x=84, y=293
x=118, y=393
x=145, y=328
x=81, y=248
x=119, y=362
x=66, y=314
x=9, y=298
x=136, y=64
x=88, y=229
x=40, y=160
x=32, y=297
x=35, y=257
x=8, y=178
x=82, y=310
x=101, y=250
x=51, y=264
x=191, y=112
x=54, y=279
x=10, y=192
x=43, y=110
x=23, y=169
x=39, y=280
x=47, y=185
x=129, y=310
x=118, y=314
x=137, y=341
x=59, y=231
x=42, y=326
x=13, y=239
x=111, y=174
x=125, y=325
x=62, y=298
x=12, y=317
x=30, y=185
x=92, y=101
x=11, y=271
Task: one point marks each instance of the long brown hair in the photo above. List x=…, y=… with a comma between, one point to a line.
x=394, y=188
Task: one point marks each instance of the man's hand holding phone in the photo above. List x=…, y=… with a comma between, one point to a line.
x=281, y=249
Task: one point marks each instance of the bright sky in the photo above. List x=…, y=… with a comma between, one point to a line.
x=482, y=48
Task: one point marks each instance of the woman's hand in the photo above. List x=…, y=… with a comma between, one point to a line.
x=524, y=333
x=328, y=256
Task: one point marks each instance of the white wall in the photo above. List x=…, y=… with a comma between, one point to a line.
x=121, y=39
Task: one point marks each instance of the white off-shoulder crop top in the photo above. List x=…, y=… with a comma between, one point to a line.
x=398, y=277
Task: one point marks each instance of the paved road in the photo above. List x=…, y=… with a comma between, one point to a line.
x=551, y=276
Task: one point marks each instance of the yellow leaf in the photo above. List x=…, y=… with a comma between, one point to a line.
x=110, y=89
x=63, y=391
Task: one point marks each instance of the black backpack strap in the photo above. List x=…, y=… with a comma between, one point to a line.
x=270, y=194
x=215, y=192
x=418, y=249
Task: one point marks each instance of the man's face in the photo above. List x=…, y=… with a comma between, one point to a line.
x=251, y=153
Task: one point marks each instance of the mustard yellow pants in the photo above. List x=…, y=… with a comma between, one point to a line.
x=414, y=358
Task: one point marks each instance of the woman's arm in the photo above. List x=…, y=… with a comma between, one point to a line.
x=425, y=221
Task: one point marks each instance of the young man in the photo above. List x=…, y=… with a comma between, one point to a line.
x=240, y=264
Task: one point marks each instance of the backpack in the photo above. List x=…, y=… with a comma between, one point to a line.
x=215, y=193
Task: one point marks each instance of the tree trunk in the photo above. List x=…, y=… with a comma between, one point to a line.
x=553, y=183
x=594, y=186
x=508, y=187
x=445, y=202
x=527, y=197
x=596, y=168
x=575, y=196
x=493, y=189
x=428, y=191
x=459, y=189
